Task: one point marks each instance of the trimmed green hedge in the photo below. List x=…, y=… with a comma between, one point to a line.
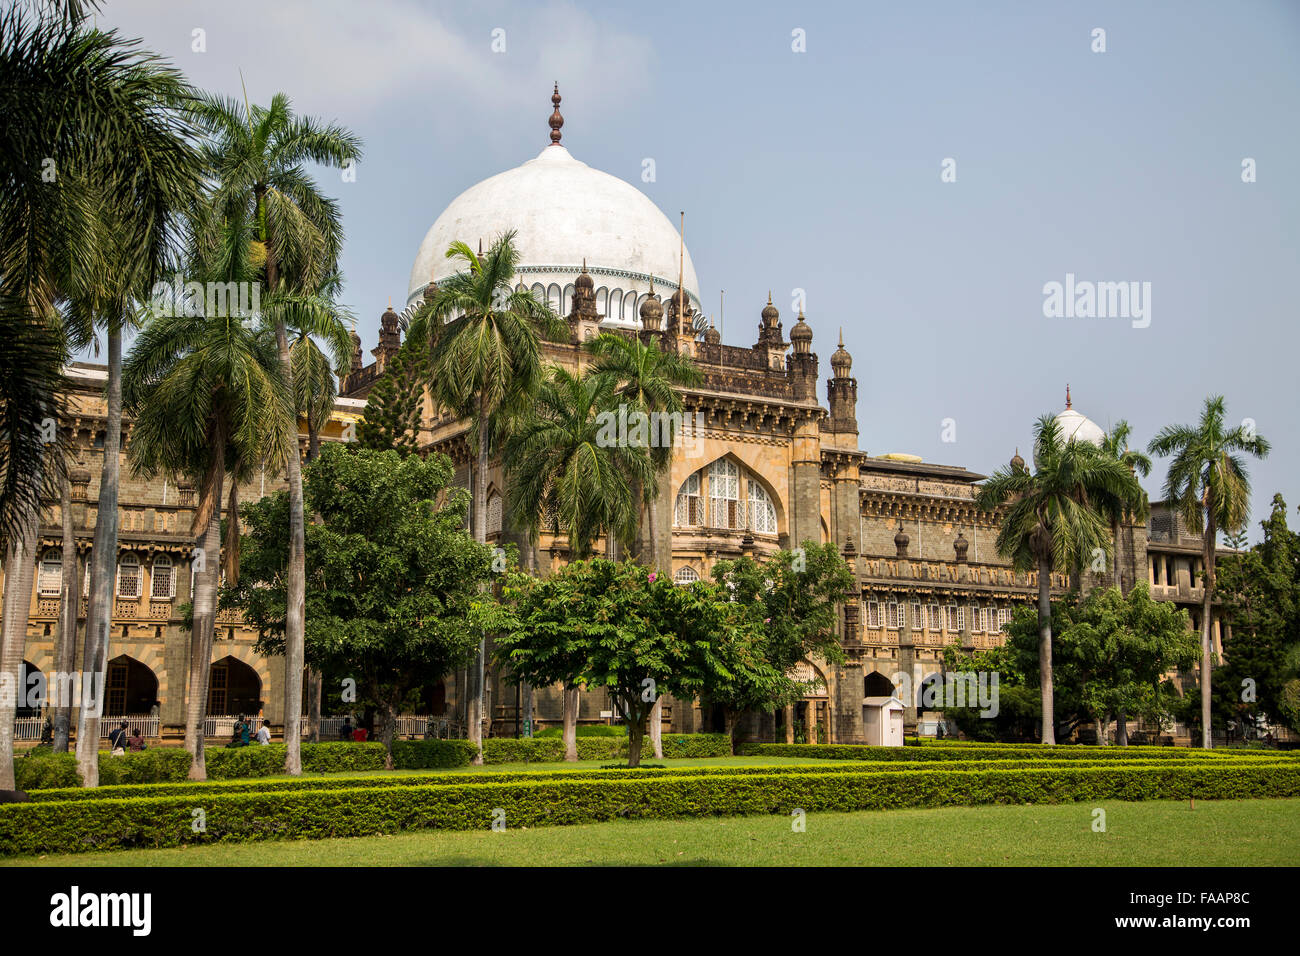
x=982, y=752
x=172, y=764
x=61, y=827
x=478, y=778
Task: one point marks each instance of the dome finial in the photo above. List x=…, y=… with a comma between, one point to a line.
x=556, y=119
x=841, y=336
x=1067, y=395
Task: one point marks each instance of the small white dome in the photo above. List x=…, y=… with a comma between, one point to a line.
x=1077, y=427
x=565, y=213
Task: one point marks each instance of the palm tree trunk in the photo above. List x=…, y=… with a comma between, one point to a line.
x=570, y=723
x=20, y=570
x=1207, y=611
x=103, y=555
x=1045, y=647
x=205, y=617
x=315, y=679
x=475, y=709
x=657, y=727
x=294, y=623
x=65, y=651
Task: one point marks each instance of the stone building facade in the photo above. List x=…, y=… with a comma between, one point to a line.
x=767, y=466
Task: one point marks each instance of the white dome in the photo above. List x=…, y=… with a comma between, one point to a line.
x=1076, y=427
x=565, y=212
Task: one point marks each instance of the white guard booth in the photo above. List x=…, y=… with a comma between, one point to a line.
x=882, y=721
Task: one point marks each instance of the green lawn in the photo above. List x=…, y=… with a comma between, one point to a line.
x=1157, y=833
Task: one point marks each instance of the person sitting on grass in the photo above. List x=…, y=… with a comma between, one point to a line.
x=239, y=734
x=136, y=743
x=345, y=732
x=264, y=733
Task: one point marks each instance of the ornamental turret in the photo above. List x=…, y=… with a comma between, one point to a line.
x=769, y=341
x=842, y=392
x=584, y=320
x=652, y=317
x=801, y=364
x=390, y=338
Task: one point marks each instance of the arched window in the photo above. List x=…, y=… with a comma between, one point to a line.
x=762, y=513
x=566, y=300
x=602, y=301
x=494, y=514
x=162, y=586
x=687, y=513
x=553, y=297
x=686, y=575
x=724, y=495
x=128, y=576
x=615, y=310
x=539, y=291
x=50, y=580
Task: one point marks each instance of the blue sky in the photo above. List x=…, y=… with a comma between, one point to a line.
x=821, y=170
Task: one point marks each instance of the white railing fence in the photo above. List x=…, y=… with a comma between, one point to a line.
x=408, y=725
x=29, y=728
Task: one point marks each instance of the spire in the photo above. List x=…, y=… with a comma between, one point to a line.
x=1067, y=394
x=556, y=119
x=841, y=336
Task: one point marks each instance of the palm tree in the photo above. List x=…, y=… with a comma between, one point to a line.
x=485, y=360
x=1208, y=484
x=65, y=648
x=209, y=399
x=255, y=155
x=96, y=173
x=648, y=381
x=1054, y=518
x=316, y=371
x=649, y=378
x=315, y=377
x=563, y=466
x=1115, y=445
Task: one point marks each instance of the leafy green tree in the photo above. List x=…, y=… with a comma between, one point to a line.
x=256, y=157
x=1259, y=590
x=393, y=579
x=628, y=629
x=790, y=599
x=1115, y=650
x=485, y=361
x=98, y=169
x=1209, y=485
x=395, y=402
x=1054, y=518
x=1019, y=715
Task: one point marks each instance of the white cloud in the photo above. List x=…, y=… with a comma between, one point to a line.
x=337, y=59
